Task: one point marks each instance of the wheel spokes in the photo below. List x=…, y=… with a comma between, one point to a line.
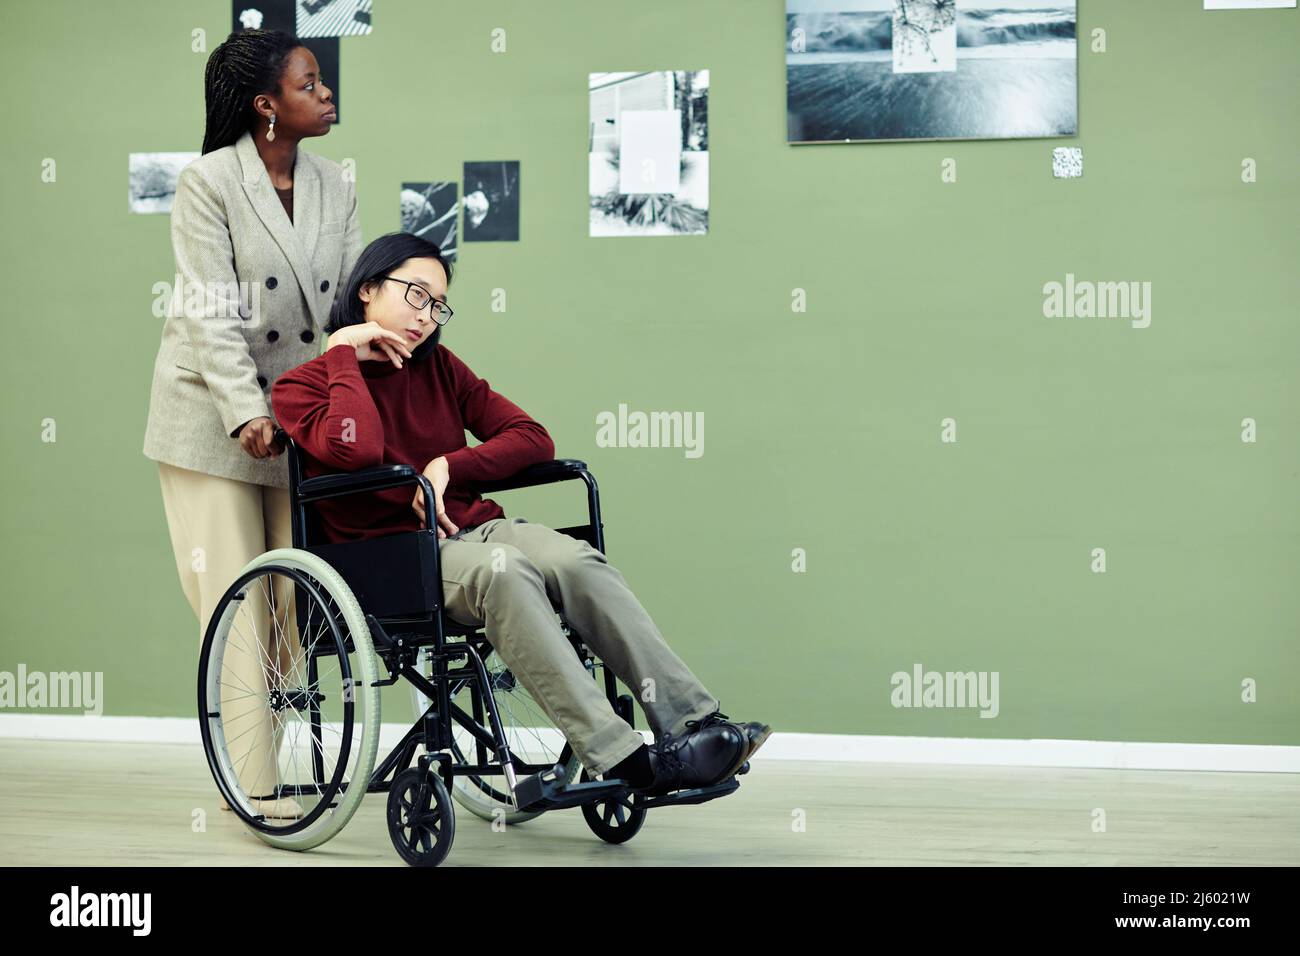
x=265, y=698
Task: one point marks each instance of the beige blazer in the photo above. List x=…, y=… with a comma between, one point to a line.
x=250, y=300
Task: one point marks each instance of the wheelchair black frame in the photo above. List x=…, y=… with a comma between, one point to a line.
x=414, y=602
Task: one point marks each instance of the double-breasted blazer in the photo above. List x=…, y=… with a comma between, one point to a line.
x=250, y=300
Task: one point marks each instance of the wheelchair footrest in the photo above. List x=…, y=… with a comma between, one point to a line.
x=547, y=791
x=697, y=795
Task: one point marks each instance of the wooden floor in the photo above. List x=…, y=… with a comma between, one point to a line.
x=72, y=803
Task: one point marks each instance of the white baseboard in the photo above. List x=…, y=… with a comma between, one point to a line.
x=1101, y=754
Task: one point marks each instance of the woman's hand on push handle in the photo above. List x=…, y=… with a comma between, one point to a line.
x=373, y=343
x=438, y=473
x=257, y=437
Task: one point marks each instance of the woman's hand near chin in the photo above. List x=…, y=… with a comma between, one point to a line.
x=439, y=474
x=373, y=343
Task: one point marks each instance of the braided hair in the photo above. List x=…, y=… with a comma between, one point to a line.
x=249, y=62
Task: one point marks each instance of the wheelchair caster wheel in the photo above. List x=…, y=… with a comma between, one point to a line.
x=614, y=819
x=421, y=820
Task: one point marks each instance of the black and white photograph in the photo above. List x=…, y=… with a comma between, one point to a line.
x=153, y=179
x=429, y=210
x=491, y=201
x=264, y=15
x=333, y=18
x=870, y=70
x=648, y=153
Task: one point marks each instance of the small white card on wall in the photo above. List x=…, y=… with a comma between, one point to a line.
x=1067, y=162
x=1247, y=4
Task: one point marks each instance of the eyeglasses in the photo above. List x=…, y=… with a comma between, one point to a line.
x=419, y=297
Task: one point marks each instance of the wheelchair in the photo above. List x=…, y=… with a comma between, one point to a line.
x=300, y=645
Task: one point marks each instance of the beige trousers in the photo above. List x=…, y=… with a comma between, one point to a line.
x=217, y=526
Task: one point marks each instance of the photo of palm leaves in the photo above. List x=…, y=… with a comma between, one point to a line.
x=648, y=153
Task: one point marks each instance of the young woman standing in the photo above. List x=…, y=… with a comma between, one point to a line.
x=263, y=233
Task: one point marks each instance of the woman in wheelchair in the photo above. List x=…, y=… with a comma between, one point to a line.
x=385, y=391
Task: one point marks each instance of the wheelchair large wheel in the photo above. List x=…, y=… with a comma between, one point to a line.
x=288, y=708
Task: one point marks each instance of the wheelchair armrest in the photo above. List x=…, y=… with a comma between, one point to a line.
x=392, y=475
x=389, y=476
x=350, y=482
x=356, y=482
x=542, y=473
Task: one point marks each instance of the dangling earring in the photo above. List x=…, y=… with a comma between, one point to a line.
x=270, y=132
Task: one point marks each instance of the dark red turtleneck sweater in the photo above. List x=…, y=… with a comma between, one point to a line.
x=346, y=415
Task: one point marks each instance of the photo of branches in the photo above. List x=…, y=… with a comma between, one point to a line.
x=430, y=210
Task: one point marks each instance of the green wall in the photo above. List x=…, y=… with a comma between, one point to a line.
x=822, y=428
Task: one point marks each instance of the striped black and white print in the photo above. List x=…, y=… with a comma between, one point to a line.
x=333, y=18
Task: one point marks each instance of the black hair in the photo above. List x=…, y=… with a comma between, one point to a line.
x=249, y=62
x=378, y=259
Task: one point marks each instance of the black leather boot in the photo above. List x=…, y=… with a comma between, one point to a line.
x=755, y=730
x=699, y=759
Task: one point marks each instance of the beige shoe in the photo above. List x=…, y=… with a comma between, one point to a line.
x=284, y=808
